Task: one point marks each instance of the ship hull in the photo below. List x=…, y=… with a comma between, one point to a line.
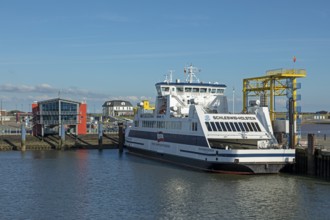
x=211, y=166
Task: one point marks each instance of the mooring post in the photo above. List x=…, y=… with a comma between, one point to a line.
x=23, y=137
x=42, y=133
x=100, y=134
x=62, y=141
x=292, y=135
x=76, y=138
x=121, y=137
x=310, y=155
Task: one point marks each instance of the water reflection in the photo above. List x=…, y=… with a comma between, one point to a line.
x=106, y=185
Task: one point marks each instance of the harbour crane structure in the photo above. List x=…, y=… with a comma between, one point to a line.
x=277, y=82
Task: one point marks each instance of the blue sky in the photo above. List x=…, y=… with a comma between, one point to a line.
x=101, y=50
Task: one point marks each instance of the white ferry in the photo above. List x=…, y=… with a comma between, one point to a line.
x=190, y=126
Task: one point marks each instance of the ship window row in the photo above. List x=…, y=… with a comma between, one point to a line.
x=233, y=126
x=194, y=90
x=162, y=124
x=200, y=90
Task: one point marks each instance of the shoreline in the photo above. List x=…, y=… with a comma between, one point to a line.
x=314, y=121
x=50, y=142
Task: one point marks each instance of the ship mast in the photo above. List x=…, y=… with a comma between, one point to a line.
x=168, y=76
x=191, y=71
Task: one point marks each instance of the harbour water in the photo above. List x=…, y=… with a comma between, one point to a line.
x=317, y=129
x=91, y=184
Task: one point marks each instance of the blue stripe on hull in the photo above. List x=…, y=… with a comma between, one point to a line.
x=240, y=155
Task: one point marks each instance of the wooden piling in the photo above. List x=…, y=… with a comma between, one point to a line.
x=121, y=137
x=100, y=135
x=310, y=155
x=328, y=169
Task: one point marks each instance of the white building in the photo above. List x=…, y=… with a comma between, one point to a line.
x=117, y=108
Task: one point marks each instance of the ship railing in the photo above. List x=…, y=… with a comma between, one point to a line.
x=146, y=115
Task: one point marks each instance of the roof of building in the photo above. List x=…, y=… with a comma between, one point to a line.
x=116, y=103
x=57, y=100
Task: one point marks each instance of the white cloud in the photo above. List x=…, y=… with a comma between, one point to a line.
x=15, y=95
x=26, y=88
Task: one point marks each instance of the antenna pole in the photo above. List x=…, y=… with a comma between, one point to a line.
x=233, y=100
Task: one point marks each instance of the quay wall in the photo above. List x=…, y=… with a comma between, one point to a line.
x=312, y=161
x=88, y=141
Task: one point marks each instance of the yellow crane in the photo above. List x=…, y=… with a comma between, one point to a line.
x=145, y=104
x=278, y=82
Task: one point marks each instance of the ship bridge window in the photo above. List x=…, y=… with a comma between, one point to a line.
x=179, y=89
x=195, y=89
x=212, y=90
x=187, y=89
x=173, y=89
x=203, y=90
x=165, y=89
x=220, y=90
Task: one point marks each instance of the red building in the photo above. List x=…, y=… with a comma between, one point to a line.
x=50, y=115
